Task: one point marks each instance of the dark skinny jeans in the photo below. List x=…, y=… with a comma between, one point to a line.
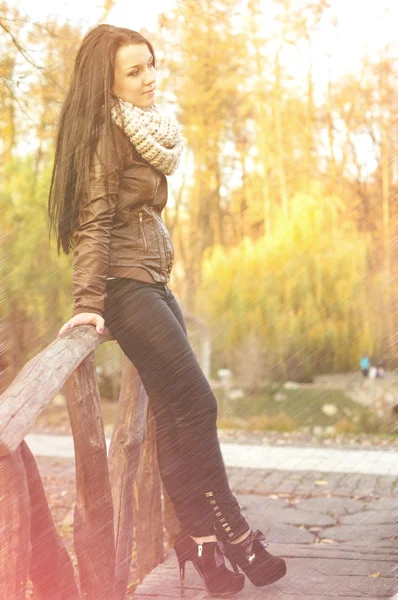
x=147, y=322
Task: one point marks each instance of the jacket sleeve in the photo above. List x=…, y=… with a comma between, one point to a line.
x=92, y=238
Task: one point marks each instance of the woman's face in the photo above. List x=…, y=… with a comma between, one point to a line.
x=135, y=75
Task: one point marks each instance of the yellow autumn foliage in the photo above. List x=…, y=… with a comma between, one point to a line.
x=301, y=288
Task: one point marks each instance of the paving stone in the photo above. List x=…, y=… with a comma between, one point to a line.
x=384, y=504
x=359, y=561
x=327, y=567
x=389, y=546
x=307, y=488
x=275, y=477
x=281, y=533
x=369, y=517
x=365, y=490
x=360, y=533
x=265, y=487
x=314, y=577
x=260, y=504
x=307, y=578
x=294, y=475
x=334, y=506
x=342, y=551
x=253, y=479
x=288, y=486
x=316, y=571
x=349, y=576
x=346, y=492
x=296, y=516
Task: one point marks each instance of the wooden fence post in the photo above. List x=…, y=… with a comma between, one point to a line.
x=93, y=518
x=115, y=497
x=124, y=457
x=15, y=521
x=148, y=506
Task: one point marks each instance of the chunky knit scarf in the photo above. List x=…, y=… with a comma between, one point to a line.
x=155, y=134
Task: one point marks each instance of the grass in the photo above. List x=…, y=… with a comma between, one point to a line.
x=261, y=412
x=300, y=408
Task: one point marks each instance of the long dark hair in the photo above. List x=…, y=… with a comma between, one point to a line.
x=86, y=111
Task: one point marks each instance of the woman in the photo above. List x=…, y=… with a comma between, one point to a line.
x=114, y=149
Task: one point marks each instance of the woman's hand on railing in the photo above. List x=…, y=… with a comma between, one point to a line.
x=84, y=319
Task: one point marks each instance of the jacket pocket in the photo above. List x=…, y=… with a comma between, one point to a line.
x=141, y=232
x=167, y=243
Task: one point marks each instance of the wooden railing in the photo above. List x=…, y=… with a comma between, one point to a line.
x=120, y=500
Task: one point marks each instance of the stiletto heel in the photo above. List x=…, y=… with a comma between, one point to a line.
x=208, y=560
x=234, y=566
x=181, y=565
x=260, y=566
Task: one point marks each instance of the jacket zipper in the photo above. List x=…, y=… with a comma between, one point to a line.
x=165, y=249
x=163, y=235
x=143, y=233
x=164, y=241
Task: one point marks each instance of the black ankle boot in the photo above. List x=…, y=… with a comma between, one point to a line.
x=255, y=561
x=208, y=560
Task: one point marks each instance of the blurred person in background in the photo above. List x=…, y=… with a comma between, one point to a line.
x=365, y=365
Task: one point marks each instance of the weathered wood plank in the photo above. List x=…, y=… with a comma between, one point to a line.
x=124, y=456
x=320, y=579
x=342, y=551
x=103, y=525
x=40, y=379
x=148, y=506
x=51, y=570
x=93, y=518
x=15, y=521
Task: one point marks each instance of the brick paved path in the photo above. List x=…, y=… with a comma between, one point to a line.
x=337, y=531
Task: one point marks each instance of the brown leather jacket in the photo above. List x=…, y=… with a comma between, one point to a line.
x=120, y=234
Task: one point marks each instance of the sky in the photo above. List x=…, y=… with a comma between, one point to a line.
x=129, y=13
x=364, y=26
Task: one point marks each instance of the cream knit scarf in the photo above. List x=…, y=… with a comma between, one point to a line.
x=155, y=134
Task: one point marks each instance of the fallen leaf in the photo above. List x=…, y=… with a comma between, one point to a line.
x=320, y=482
x=374, y=574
